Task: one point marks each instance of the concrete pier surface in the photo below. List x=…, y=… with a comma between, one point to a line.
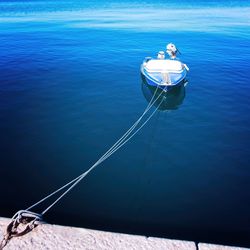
x=47, y=236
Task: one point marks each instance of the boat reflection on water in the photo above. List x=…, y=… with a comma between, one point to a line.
x=172, y=99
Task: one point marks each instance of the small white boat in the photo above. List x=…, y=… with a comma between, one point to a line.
x=165, y=73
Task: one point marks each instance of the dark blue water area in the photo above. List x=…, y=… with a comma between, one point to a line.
x=70, y=86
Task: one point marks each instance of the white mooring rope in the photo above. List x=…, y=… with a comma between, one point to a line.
x=119, y=143
x=31, y=219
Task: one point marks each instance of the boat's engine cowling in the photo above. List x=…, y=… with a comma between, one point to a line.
x=171, y=49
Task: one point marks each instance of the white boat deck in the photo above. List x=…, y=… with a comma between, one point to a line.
x=156, y=65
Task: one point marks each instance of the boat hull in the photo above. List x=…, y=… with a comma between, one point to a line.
x=169, y=100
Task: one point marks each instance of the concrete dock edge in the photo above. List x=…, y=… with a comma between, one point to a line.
x=48, y=236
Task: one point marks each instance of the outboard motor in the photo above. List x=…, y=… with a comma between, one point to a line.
x=161, y=55
x=172, y=50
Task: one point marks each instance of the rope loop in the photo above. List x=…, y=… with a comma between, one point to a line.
x=22, y=223
x=27, y=219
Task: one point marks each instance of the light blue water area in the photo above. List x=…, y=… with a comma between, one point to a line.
x=70, y=86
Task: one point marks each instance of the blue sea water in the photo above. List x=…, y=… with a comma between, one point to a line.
x=70, y=86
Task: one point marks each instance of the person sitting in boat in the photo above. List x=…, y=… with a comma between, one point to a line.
x=172, y=51
x=161, y=55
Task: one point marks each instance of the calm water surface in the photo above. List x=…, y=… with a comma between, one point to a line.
x=70, y=86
